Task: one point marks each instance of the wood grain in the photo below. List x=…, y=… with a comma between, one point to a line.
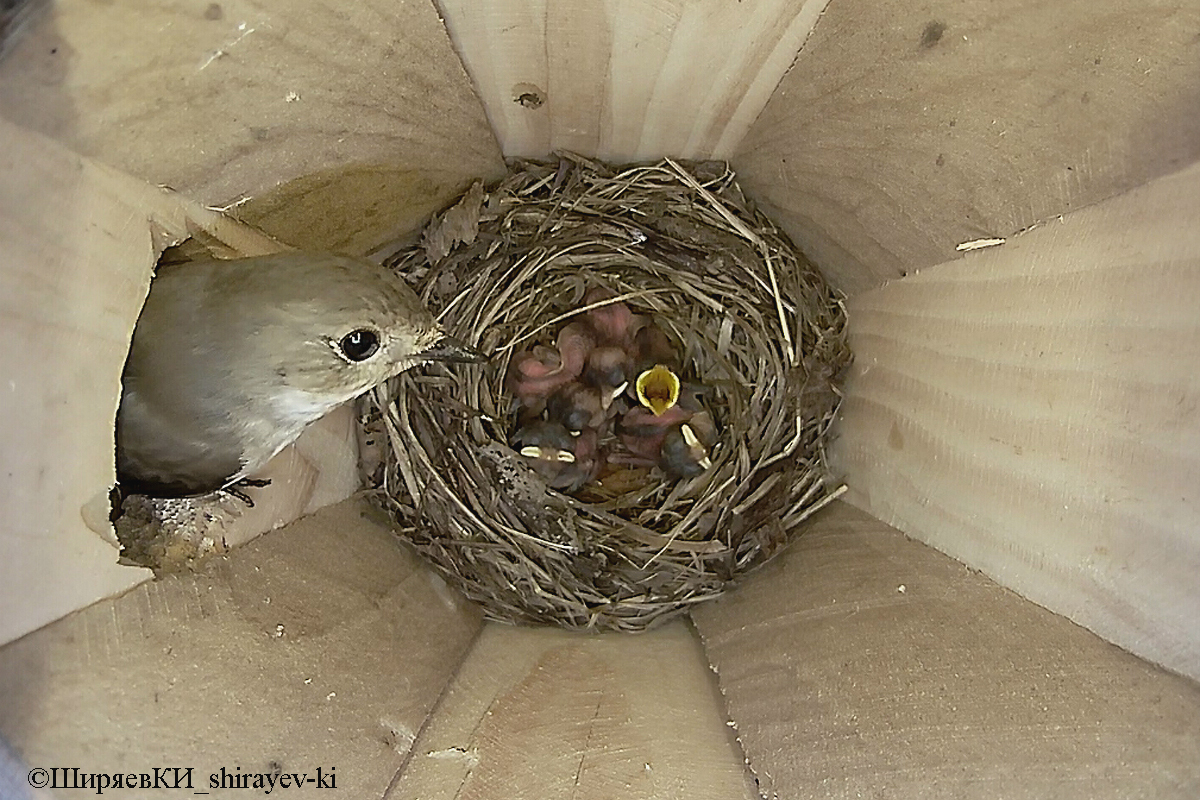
x=903, y=130
x=863, y=664
x=1034, y=410
x=537, y=713
x=78, y=242
x=320, y=113
x=77, y=245
x=626, y=80
x=323, y=644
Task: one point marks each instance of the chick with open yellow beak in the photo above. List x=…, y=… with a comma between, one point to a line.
x=657, y=389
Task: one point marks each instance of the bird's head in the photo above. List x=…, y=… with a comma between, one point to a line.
x=334, y=327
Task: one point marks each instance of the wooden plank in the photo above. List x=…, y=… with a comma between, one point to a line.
x=1034, y=410
x=76, y=250
x=860, y=663
x=903, y=131
x=324, y=644
x=78, y=241
x=327, y=125
x=626, y=80
x=537, y=713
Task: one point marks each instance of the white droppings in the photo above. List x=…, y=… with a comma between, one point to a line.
x=470, y=758
x=978, y=244
x=243, y=32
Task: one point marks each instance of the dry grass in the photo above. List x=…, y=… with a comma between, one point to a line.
x=759, y=326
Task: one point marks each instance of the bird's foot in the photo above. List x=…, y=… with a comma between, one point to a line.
x=237, y=490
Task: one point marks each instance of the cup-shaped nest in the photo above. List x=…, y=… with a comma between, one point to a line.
x=756, y=325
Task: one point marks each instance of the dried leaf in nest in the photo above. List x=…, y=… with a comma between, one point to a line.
x=759, y=327
x=457, y=225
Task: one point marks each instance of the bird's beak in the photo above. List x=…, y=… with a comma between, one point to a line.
x=657, y=389
x=450, y=349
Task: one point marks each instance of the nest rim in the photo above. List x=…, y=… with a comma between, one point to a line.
x=504, y=268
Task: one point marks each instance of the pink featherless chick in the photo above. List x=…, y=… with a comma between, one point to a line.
x=642, y=431
x=537, y=373
x=615, y=324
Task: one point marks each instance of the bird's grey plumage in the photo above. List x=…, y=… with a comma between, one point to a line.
x=15, y=17
x=231, y=360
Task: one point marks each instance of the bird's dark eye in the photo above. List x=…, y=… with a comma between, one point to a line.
x=359, y=345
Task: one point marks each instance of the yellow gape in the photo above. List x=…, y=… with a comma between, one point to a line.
x=657, y=389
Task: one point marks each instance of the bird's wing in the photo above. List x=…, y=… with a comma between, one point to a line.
x=161, y=451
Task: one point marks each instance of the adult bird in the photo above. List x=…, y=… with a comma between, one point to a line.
x=231, y=360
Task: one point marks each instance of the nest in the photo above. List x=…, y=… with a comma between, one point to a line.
x=504, y=269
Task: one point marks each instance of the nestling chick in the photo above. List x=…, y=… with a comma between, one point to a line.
x=703, y=426
x=535, y=374
x=683, y=454
x=577, y=406
x=651, y=346
x=231, y=360
x=657, y=389
x=587, y=463
x=614, y=323
x=547, y=444
x=642, y=431
x=564, y=461
x=608, y=370
x=575, y=343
